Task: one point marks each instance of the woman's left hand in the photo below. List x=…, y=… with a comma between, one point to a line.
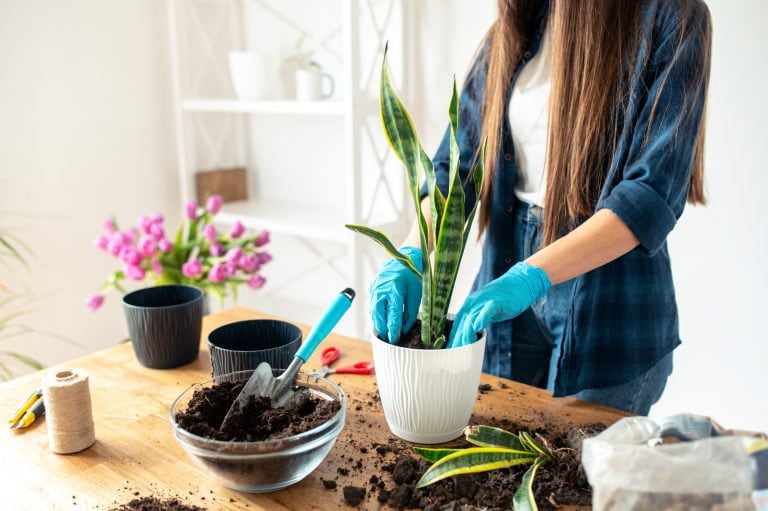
x=499, y=300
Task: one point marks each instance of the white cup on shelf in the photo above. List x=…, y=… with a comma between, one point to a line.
x=313, y=84
x=254, y=75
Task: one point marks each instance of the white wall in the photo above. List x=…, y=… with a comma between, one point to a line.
x=86, y=130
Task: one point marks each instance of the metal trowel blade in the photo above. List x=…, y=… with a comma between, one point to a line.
x=259, y=384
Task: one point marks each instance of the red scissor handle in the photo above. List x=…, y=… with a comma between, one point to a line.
x=358, y=368
x=329, y=354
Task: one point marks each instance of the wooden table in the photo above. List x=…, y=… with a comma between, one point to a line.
x=135, y=452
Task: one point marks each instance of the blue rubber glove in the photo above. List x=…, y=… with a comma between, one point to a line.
x=395, y=296
x=499, y=300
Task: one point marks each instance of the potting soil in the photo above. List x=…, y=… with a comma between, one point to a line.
x=255, y=421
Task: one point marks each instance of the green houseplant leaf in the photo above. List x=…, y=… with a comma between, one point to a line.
x=495, y=448
x=523, y=499
x=473, y=460
x=449, y=224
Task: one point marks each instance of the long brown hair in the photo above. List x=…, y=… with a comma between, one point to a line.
x=595, y=45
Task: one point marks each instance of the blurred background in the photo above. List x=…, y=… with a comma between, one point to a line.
x=116, y=107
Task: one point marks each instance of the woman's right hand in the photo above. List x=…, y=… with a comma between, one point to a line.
x=395, y=296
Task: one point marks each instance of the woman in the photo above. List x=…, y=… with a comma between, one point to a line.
x=593, y=112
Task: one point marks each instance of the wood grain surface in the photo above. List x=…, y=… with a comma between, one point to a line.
x=135, y=453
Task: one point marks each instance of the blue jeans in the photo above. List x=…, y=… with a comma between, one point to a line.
x=537, y=334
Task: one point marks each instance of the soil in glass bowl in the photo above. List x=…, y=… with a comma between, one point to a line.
x=255, y=421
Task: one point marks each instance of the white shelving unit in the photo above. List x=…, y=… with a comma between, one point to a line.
x=336, y=158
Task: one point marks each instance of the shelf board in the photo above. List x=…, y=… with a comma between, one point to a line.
x=291, y=219
x=327, y=108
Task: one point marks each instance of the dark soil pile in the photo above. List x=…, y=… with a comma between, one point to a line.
x=396, y=470
x=256, y=421
x=155, y=504
x=412, y=338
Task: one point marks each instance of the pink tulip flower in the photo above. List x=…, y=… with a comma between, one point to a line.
x=264, y=257
x=101, y=242
x=249, y=263
x=218, y=273
x=190, y=209
x=157, y=267
x=144, y=223
x=192, y=268
x=164, y=245
x=134, y=272
x=231, y=267
x=157, y=231
x=95, y=301
x=157, y=218
x=262, y=239
x=209, y=231
x=129, y=255
x=256, y=282
x=147, y=247
x=214, y=204
x=234, y=254
x=217, y=250
x=109, y=225
x=237, y=230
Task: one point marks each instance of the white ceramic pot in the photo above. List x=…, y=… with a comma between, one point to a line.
x=427, y=395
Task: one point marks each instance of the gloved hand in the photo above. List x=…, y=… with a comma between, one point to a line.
x=394, y=287
x=499, y=300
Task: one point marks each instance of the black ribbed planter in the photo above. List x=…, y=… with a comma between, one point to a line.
x=243, y=345
x=164, y=323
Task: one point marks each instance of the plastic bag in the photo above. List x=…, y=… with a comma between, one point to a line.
x=683, y=462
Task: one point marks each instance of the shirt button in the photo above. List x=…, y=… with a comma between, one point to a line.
x=509, y=208
x=508, y=156
x=527, y=55
x=508, y=260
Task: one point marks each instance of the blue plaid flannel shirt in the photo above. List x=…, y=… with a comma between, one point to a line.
x=623, y=316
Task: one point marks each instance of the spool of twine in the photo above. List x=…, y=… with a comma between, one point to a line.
x=68, y=411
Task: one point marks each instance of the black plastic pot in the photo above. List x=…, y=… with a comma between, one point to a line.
x=165, y=323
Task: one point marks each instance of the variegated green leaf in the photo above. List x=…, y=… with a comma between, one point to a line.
x=523, y=499
x=433, y=455
x=488, y=436
x=477, y=177
x=380, y=238
x=533, y=446
x=401, y=136
x=472, y=461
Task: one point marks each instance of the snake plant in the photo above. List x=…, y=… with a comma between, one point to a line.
x=495, y=448
x=450, y=223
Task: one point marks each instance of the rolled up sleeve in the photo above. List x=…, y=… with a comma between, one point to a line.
x=651, y=190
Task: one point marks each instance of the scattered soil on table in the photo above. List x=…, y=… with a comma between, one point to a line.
x=255, y=421
x=156, y=504
x=392, y=470
x=353, y=495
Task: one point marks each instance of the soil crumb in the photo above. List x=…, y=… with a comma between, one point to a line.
x=353, y=495
x=255, y=421
x=155, y=504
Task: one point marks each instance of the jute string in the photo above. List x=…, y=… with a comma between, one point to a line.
x=68, y=411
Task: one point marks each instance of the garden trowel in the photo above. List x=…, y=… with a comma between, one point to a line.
x=263, y=383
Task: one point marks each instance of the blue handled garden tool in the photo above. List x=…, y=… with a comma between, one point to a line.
x=263, y=382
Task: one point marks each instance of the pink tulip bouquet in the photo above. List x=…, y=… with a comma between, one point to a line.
x=199, y=254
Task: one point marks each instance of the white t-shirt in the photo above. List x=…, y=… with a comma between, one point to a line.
x=529, y=121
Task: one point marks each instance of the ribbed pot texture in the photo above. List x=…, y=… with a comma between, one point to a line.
x=164, y=323
x=427, y=395
x=243, y=345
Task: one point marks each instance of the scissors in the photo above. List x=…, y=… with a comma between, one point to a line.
x=330, y=354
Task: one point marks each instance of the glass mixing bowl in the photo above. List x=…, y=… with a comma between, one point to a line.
x=257, y=467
